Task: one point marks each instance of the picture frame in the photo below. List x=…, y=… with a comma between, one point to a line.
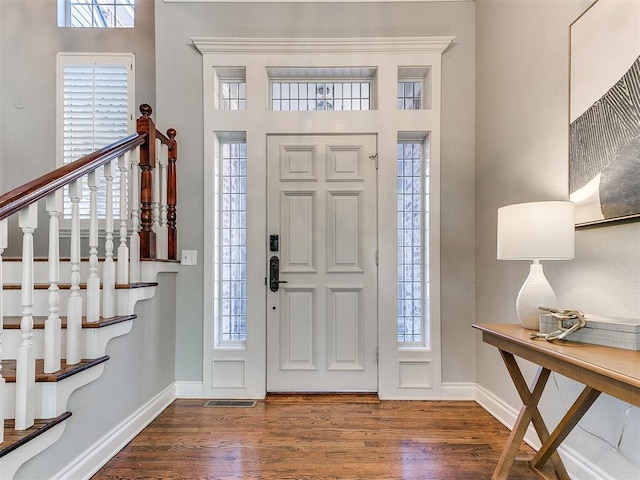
x=604, y=112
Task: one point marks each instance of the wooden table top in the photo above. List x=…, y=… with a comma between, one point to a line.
x=614, y=371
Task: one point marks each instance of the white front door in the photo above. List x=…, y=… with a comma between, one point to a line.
x=322, y=326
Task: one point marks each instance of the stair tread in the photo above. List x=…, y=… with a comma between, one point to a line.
x=13, y=322
x=14, y=439
x=9, y=369
x=83, y=286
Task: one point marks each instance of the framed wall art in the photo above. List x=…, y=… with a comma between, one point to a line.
x=604, y=112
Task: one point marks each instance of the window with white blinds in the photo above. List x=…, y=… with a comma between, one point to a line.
x=95, y=109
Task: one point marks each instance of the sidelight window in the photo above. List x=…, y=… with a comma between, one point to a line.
x=230, y=283
x=412, y=244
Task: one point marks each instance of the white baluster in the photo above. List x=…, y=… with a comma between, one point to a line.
x=163, y=238
x=52, y=325
x=93, y=282
x=155, y=203
x=74, y=305
x=134, y=244
x=3, y=245
x=109, y=268
x=26, y=361
x=123, y=249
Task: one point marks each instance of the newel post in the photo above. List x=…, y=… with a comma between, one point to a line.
x=145, y=126
x=172, y=196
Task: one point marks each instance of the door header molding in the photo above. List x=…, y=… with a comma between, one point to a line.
x=293, y=46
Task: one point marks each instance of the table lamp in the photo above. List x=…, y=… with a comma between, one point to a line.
x=536, y=231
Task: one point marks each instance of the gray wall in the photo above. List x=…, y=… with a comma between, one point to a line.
x=141, y=365
x=179, y=92
x=29, y=42
x=521, y=156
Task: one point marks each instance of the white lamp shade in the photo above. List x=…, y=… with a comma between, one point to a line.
x=536, y=231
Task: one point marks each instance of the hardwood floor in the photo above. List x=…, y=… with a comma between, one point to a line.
x=306, y=439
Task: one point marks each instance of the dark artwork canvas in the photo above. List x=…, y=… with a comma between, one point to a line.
x=605, y=141
x=604, y=131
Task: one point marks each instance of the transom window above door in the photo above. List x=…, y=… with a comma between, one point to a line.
x=320, y=95
x=414, y=88
x=321, y=89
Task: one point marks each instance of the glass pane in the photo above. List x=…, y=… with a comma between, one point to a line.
x=410, y=95
x=230, y=282
x=410, y=244
x=296, y=96
x=101, y=13
x=233, y=95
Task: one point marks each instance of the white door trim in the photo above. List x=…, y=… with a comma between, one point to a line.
x=403, y=373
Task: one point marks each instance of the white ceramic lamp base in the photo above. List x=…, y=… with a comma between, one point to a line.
x=536, y=292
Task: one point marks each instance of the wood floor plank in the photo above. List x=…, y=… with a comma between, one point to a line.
x=388, y=440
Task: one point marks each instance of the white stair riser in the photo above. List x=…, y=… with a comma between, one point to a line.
x=124, y=301
x=13, y=299
x=11, y=340
x=94, y=340
x=12, y=272
x=50, y=397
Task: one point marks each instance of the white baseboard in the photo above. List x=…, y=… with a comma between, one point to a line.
x=189, y=389
x=458, y=391
x=578, y=467
x=98, y=454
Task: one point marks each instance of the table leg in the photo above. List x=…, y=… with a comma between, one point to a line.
x=538, y=423
x=527, y=412
x=571, y=418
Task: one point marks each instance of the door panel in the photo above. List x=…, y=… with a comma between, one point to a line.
x=322, y=321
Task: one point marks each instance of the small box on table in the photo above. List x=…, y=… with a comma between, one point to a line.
x=610, y=332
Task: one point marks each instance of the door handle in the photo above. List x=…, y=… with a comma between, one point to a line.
x=274, y=274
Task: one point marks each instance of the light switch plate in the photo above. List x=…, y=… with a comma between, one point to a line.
x=189, y=257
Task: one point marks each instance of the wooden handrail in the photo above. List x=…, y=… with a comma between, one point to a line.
x=20, y=197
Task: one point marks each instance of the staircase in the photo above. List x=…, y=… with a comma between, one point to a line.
x=58, y=316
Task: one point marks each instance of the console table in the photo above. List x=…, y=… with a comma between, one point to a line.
x=601, y=369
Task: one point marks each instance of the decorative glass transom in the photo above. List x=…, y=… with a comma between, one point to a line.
x=318, y=95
